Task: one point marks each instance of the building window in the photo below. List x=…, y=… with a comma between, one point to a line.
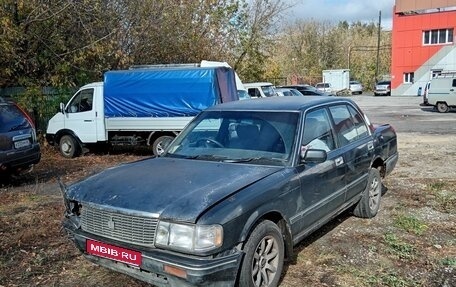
x=438, y=36
x=409, y=77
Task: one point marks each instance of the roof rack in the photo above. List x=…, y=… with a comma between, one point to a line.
x=134, y=67
x=446, y=74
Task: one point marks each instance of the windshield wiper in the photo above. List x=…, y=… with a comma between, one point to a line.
x=19, y=126
x=199, y=156
x=250, y=159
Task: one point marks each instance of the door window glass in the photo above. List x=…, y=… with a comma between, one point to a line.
x=360, y=126
x=317, y=131
x=82, y=102
x=344, y=127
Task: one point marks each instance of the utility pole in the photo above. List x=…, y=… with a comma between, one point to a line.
x=378, y=43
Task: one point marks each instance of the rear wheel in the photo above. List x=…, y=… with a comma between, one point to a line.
x=160, y=144
x=263, y=260
x=442, y=107
x=369, y=203
x=69, y=147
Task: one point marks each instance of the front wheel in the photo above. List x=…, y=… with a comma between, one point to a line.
x=442, y=107
x=369, y=203
x=160, y=144
x=263, y=260
x=68, y=146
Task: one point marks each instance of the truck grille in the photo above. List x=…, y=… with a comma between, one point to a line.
x=129, y=228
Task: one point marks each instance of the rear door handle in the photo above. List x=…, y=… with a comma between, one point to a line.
x=339, y=161
x=88, y=121
x=370, y=145
x=451, y=90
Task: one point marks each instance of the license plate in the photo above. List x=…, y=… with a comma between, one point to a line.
x=113, y=252
x=21, y=144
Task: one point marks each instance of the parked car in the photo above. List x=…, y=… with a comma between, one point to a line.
x=383, y=88
x=307, y=90
x=315, y=93
x=19, y=148
x=356, y=87
x=243, y=94
x=288, y=92
x=283, y=92
x=324, y=87
x=233, y=193
x=260, y=89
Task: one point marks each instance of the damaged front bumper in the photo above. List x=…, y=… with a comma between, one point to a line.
x=191, y=270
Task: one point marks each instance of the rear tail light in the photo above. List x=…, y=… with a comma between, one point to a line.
x=31, y=122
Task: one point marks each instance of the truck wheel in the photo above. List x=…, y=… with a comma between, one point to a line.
x=442, y=107
x=369, y=203
x=160, y=144
x=69, y=147
x=263, y=260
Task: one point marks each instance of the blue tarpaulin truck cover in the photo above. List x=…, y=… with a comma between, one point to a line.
x=166, y=92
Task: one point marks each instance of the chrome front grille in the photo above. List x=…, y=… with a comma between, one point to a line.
x=133, y=229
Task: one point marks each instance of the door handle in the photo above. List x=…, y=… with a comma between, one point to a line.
x=88, y=121
x=451, y=90
x=339, y=161
x=370, y=145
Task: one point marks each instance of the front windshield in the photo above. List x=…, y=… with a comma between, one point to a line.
x=238, y=136
x=268, y=91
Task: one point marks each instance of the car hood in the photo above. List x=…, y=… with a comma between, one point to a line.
x=175, y=189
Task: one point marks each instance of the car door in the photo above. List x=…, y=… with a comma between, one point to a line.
x=322, y=190
x=80, y=116
x=356, y=147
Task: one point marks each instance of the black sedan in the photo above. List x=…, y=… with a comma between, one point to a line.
x=233, y=193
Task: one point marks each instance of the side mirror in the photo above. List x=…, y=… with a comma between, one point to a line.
x=62, y=108
x=314, y=155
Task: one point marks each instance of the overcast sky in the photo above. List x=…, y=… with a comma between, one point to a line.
x=340, y=10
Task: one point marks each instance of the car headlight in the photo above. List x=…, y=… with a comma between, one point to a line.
x=188, y=237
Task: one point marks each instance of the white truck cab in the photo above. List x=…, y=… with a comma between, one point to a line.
x=442, y=92
x=260, y=89
x=81, y=119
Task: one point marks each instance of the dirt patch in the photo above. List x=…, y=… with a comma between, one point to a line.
x=411, y=242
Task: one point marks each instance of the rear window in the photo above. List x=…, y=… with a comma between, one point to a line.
x=384, y=83
x=11, y=119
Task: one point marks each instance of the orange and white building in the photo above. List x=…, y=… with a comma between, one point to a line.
x=423, y=43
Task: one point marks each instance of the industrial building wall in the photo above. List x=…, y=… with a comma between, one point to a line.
x=414, y=58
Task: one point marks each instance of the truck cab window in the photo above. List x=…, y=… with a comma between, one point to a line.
x=82, y=102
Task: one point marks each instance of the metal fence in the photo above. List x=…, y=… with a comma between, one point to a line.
x=41, y=106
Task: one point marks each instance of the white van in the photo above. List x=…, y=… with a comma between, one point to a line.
x=260, y=89
x=442, y=92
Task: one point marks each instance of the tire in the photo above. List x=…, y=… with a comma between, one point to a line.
x=160, y=144
x=69, y=147
x=442, y=107
x=263, y=259
x=369, y=203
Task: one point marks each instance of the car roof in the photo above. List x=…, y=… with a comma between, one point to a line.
x=278, y=104
x=257, y=84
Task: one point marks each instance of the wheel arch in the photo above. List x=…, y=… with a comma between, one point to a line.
x=65, y=132
x=277, y=218
x=379, y=164
x=153, y=135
